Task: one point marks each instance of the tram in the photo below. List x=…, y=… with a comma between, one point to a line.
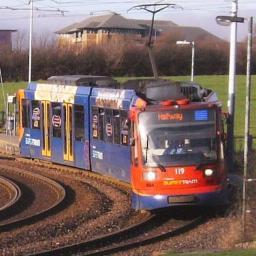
x=166, y=139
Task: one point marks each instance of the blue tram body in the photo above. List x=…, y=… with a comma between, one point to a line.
x=56, y=126
x=111, y=156
x=128, y=133
x=45, y=134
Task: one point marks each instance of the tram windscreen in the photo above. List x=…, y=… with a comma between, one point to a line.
x=181, y=137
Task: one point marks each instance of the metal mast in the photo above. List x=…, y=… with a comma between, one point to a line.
x=30, y=40
x=247, y=120
x=232, y=85
x=152, y=8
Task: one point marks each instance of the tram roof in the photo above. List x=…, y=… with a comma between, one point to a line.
x=154, y=91
x=83, y=80
x=151, y=90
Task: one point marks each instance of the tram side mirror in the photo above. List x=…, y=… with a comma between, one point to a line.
x=132, y=142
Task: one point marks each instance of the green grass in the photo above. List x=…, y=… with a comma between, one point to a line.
x=10, y=88
x=218, y=83
x=249, y=252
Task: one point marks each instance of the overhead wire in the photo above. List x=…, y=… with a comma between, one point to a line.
x=73, y=8
x=95, y=2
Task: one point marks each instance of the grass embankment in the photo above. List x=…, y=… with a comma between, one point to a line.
x=10, y=88
x=249, y=252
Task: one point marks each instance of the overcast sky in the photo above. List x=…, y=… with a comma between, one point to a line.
x=51, y=15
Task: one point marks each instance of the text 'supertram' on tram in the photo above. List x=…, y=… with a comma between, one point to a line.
x=164, y=138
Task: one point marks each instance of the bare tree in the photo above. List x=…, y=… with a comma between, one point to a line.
x=44, y=40
x=20, y=40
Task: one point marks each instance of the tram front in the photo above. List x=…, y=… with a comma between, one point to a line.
x=178, y=157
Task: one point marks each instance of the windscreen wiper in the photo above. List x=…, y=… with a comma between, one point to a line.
x=146, y=160
x=161, y=167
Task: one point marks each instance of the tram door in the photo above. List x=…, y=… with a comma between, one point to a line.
x=68, y=132
x=46, y=145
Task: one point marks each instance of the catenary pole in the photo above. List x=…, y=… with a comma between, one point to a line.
x=247, y=120
x=192, y=60
x=232, y=87
x=30, y=40
x=153, y=9
x=192, y=44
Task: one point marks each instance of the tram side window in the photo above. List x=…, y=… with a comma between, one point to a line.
x=95, y=122
x=35, y=114
x=25, y=113
x=56, y=120
x=125, y=128
x=101, y=124
x=79, y=122
x=116, y=126
x=108, y=126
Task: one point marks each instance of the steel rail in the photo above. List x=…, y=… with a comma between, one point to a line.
x=145, y=241
x=97, y=240
x=112, y=243
x=80, y=173
x=56, y=187
x=14, y=191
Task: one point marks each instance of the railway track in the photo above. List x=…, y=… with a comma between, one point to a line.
x=32, y=205
x=128, y=238
x=124, y=239
x=13, y=191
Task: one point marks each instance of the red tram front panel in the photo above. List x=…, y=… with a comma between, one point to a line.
x=180, y=157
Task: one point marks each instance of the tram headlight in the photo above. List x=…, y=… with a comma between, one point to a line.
x=149, y=175
x=208, y=172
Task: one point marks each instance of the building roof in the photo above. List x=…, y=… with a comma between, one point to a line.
x=191, y=33
x=160, y=25
x=69, y=29
x=113, y=20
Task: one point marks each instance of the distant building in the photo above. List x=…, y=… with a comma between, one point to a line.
x=6, y=38
x=99, y=30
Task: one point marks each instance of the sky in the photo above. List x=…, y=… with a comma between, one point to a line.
x=52, y=15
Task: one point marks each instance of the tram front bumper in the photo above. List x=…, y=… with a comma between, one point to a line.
x=215, y=198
